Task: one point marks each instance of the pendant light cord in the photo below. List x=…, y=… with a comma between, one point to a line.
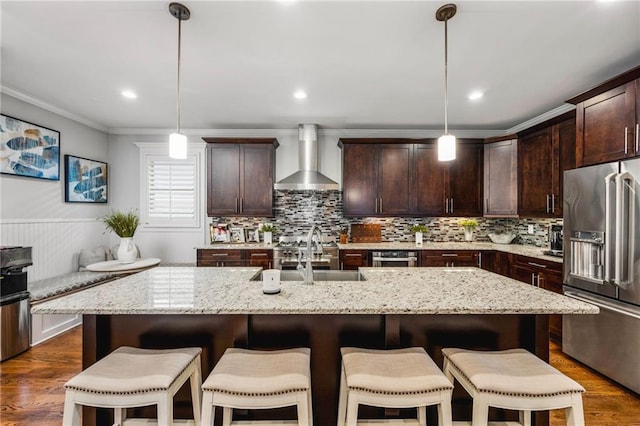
x=446, y=81
x=178, y=85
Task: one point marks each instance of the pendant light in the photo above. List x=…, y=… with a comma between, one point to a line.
x=178, y=141
x=446, y=142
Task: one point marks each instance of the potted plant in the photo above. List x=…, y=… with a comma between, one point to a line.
x=468, y=225
x=419, y=230
x=124, y=225
x=268, y=229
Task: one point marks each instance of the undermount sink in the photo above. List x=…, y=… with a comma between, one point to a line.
x=321, y=275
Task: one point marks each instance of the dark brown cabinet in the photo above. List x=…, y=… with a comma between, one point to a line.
x=501, y=179
x=543, y=156
x=240, y=176
x=376, y=177
x=234, y=257
x=353, y=259
x=498, y=262
x=450, y=258
x=449, y=188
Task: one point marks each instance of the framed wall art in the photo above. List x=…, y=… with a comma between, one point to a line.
x=27, y=149
x=86, y=181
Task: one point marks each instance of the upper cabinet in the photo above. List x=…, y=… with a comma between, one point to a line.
x=452, y=188
x=391, y=177
x=376, y=177
x=608, y=120
x=543, y=156
x=501, y=178
x=240, y=176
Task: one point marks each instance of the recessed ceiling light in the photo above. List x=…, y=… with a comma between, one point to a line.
x=129, y=94
x=300, y=94
x=475, y=95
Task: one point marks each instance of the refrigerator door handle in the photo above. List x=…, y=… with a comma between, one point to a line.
x=608, y=231
x=600, y=304
x=625, y=228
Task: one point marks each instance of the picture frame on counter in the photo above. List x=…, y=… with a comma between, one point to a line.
x=251, y=235
x=219, y=233
x=237, y=235
x=85, y=180
x=28, y=149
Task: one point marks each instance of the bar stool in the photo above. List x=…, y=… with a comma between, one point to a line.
x=513, y=379
x=132, y=377
x=250, y=379
x=396, y=378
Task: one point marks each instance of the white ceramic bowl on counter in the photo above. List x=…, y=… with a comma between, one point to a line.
x=502, y=238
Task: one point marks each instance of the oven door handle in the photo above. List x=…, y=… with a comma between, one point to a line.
x=394, y=259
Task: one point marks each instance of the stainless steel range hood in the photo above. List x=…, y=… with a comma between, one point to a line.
x=307, y=177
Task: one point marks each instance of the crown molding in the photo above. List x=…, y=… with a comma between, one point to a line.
x=51, y=108
x=215, y=133
x=541, y=118
x=405, y=133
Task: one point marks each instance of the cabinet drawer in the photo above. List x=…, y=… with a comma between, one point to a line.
x=219, y=255
x=538, y=265
x=450, y=257
x=262, y=258
x=352, y=259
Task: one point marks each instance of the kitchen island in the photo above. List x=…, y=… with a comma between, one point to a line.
x=217, y=308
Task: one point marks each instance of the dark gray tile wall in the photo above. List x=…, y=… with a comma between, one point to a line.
x=294, y=211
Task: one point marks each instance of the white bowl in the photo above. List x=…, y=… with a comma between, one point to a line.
x=502, y=238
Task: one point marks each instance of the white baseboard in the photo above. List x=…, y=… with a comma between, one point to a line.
x=44, y=327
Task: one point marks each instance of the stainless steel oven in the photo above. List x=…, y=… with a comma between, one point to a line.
x=394, y=258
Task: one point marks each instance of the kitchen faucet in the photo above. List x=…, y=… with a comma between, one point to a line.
x=307, y=271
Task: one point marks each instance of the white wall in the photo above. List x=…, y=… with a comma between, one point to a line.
x=33, y=211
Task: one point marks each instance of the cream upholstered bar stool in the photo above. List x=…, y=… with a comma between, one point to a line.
x=252, y=379
x=394, y=378
x=132, y=377
x=513, y=379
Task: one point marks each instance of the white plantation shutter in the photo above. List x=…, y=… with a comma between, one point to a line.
x=170, y=190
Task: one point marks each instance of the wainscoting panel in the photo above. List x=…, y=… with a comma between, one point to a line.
x=56, y=243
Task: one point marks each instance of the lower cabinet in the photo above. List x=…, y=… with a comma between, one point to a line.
x=234, y=257
x=353, y=259
x=444, y=258
x=498, y=262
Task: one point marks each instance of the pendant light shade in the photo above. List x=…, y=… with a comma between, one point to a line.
x=446, y=142
x=178, y=141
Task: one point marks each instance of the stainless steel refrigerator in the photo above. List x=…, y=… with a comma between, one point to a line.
x=602, y=267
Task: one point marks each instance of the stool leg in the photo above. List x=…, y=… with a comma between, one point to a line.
x=352, y=410
x=446, y=370
x=310, y=405
x=227, y=415
x=342, y=400
x=422, y=416
x=480, y=413
x=208, y=410
x=575, y=414
x=165, y=411
x=444, y=410
x=524, y=417
x=196, y=394
x=303, y=409
x=72, y=411
x=119, y=415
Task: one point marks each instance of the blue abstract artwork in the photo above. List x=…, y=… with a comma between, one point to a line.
x=27, y=149
x=85, y=180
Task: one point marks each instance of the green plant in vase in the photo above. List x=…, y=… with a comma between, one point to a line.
x=268, y=230
x=124, y=225
x=468, y=224
x=419, y=230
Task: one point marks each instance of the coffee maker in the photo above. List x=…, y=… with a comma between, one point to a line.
x=555, y=240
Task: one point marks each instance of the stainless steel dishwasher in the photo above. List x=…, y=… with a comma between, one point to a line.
x=15, y=318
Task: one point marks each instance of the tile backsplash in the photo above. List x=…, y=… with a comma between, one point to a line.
x=295, y=210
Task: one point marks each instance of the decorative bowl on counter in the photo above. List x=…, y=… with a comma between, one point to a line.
x=502, y=238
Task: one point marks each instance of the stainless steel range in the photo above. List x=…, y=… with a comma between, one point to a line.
x=289, y=249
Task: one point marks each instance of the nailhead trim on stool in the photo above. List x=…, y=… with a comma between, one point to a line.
x=513, y=379
x=250, y=379
x=396, y=378
x=132, y=377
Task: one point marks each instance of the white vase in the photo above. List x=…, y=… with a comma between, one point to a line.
x=468, y=234
x=127, y=251
x=268, y=237
x=418, y=238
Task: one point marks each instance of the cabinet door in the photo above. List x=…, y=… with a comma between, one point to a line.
x=429, y=181
x=523, y=273
x=256, y=180
x=552, y=281
x=353, y=259
x=465, y=181
x=605, y=126
x=564, y=153
x=501, y=178
x=535, y=162
x=258, y=257
x=223, y=179
x=394, y=179
x=359, y=180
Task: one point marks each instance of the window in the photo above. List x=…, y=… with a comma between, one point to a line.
x=170, y=192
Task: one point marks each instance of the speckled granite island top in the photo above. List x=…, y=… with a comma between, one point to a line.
x=188, y=290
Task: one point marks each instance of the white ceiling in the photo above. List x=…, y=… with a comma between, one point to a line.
x=365, y=65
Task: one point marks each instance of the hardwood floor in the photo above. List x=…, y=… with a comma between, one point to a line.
x=32, y=387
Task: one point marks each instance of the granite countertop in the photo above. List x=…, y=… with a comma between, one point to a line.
x=187, y=290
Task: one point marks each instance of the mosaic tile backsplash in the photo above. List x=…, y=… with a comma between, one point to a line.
x=295, y=210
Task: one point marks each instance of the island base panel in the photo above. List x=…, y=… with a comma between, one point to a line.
x=324, y=334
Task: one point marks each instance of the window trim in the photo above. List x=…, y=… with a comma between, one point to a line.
x=195, y=152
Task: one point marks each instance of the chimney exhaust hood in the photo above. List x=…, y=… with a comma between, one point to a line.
x=307, y=177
